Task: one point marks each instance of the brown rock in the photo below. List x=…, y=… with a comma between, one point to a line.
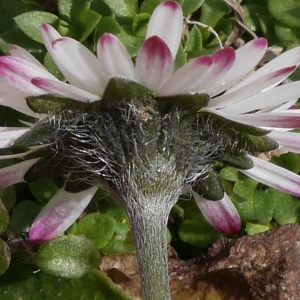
x=268, y=262
x=258, y=267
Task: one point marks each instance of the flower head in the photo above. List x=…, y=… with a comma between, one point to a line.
x=225, y=110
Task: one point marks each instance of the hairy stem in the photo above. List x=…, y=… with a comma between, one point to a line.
x=149, y=225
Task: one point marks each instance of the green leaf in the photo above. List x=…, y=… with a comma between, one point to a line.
x=229, y=173
x=287, y=34
x=211, y=13
x=31, y=22
x=108, y=25
x=4, y=256
x=98, y=228
x=22, y=217
x=251, y=16
x=4, y=218
x=139, y=24
x=43, y=191
x=8, y=197
x=257, y=205
x=123, y=8
x=148, y=6
x=290, y=161
x=194, y=229
x=121, y=241
x=17, y=37
x=100, y=7
x=194, y=45
x=266, y=23
x=10, y=117
x=21, y=281
x=69, y=9
x=253, y=228
x=190, y=6
x=52, y=67
x=180, y=59
x=88, y=20
x=68, y=256
x=286, y=207
x=10, y=9
x=130, y=41
x=287, y=11
x=178, y=211
x=247, y=181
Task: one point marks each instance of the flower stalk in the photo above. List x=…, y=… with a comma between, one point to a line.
x=149, y=229
x=148, y=216
x=148, y=198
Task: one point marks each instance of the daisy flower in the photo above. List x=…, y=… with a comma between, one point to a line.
x=253, y=100
x=143, y=131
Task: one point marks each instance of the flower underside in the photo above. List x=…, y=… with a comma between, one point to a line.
x=131, y=131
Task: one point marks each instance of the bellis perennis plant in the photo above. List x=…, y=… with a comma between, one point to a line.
x=145, y=133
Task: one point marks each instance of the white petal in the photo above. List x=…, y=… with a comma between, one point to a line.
x=288, y=141
x=223, y=61
x=8, y=129
x=273, y=97
x=251, y=89
x=167, y=23
x=14, y=98
x=114, y=57
x=19, y=72
x=286, y=106
x=221, y=215
x=64, y=89
x=154, y=63
x=287, y=59
x=287, y=120
x=79, y=66
x=15, y=173
x=59, y=214
x=246, y=59
x=274, y=176
x=9, y=135
x=23, y=54
x=11, y=156
x=187, y=77
x=49, y=35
